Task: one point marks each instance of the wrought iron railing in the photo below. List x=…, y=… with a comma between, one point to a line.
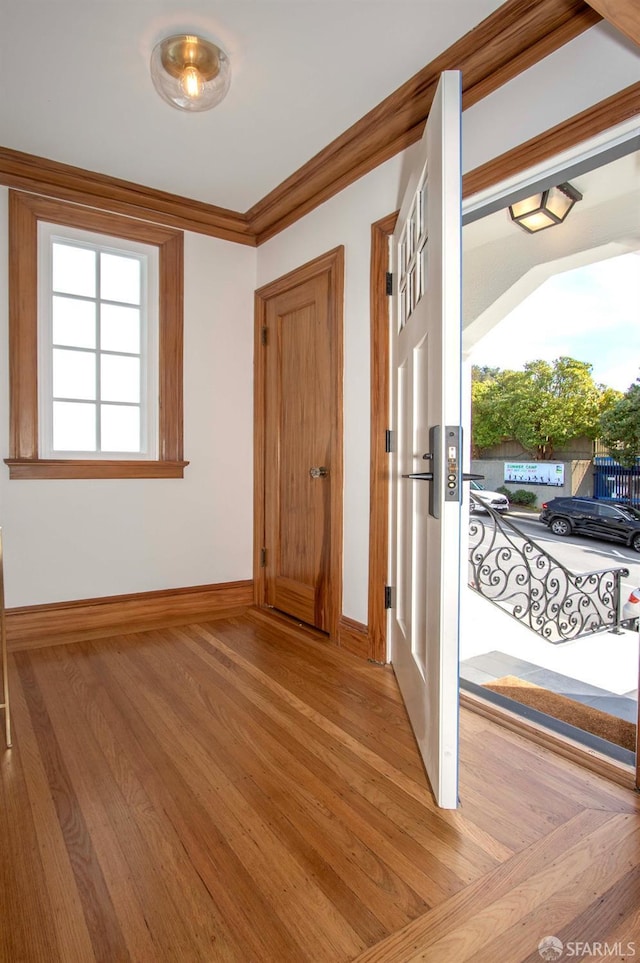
x=509, y=569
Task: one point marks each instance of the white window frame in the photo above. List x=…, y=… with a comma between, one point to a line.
x=147, y=255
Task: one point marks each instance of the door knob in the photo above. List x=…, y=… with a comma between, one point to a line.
x=319, y=472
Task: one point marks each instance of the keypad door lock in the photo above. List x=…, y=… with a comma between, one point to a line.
x=449, y=476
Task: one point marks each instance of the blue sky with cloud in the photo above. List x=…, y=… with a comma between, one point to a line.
x=591, y=313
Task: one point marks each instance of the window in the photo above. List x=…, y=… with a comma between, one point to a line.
x=606, y=512
x=412, y=255
x=95, y=343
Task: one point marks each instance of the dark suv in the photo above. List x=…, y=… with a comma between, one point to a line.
x=588, y=516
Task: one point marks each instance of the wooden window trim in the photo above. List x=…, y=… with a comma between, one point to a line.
x=25, y=210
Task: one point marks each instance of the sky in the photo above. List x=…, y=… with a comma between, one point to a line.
x=591, y=313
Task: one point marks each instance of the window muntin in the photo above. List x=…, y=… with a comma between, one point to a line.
x=97, y=345
x=412, y=255
x=25, y=460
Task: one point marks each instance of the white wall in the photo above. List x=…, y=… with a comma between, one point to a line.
x=88, y=538
x=559, y=87
x=80, y=539
x=346, y=219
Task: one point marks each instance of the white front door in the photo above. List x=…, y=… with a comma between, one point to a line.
x=426, y=415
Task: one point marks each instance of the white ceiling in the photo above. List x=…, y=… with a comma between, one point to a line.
x=503, y=265
x=74, y=76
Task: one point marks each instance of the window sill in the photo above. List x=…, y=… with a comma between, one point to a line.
x=21, y=468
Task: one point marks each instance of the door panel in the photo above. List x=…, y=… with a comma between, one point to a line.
x=302, y=443
x=298, y=439
x=426, y=403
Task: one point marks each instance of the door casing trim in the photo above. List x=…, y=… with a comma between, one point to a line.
x=332, y=264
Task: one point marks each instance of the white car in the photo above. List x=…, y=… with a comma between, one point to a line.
x=480, y=498
x=631, y=608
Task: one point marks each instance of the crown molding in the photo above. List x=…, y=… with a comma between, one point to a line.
x=517, y=35
x=39, y=175
x=589, y=123
x=624, y=15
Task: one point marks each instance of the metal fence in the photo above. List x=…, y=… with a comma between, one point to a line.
x=612, y=482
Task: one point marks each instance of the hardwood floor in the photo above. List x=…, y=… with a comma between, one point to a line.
x=235, y=791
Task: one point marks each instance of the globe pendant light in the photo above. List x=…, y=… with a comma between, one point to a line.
x=190, y=73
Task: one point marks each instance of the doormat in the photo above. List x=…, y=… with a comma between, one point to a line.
x=599, y=723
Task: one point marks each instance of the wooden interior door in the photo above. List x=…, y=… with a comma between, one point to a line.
x=300, y=341
x=426, y=478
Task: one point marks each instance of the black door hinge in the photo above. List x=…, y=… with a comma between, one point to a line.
x=263, y=557
x=389, y=282
x=264, y=335
x=388, y=441
x=388, y=601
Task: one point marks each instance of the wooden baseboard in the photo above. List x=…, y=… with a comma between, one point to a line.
x=587, y=758
x=354, y=637
x=36, y=626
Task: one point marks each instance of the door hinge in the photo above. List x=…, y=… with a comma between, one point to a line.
x=263, y=557
x=389, y=283
x=263, y=335
x=388, y=599
x=388, y=441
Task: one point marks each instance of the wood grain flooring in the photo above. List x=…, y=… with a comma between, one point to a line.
x=238, y=791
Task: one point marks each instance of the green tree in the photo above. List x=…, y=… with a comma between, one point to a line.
x=620, y=427
x=542, y=407
x=484, y=373
x=490, y=423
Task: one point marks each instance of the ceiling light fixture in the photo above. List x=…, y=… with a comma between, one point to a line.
x=546, y=209
x=190, y=73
